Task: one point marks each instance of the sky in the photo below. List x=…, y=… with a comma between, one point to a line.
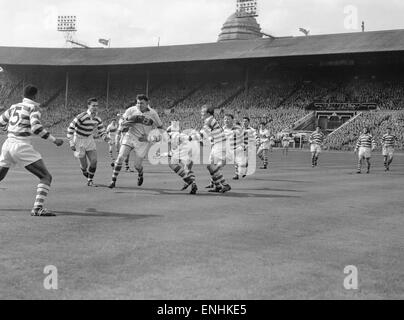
x=139, y=23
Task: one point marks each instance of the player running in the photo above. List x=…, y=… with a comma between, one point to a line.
x=80, y=134
x=388, y=142
x=22, y=121
x=180, y=156
x=211, y=129
x=364, y=147
x=285, y=144
x=112, y=130
x=138, y=122
x=264, y=144
x=241, y=160
x=118, y=140
x=316, y=140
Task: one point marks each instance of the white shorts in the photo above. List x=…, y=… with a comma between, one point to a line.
x=240, y=157
x=112, y=138
x=218, y=153
x=84, y=144
x=388, y=151
x=140, y=148
x=181, y=154
x=18, y=152
x=285, y=144
x=264, y=146
x=365, y=153
x=315, y=148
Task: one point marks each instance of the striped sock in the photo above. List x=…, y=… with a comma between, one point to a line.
x=116, y=171
x=216, y=176
x=41, y=195
x=127, y=163
x=360, y=165
x=140, y=171
x=85, y=172
x=265, y=156
x=91, y=173
x=190, y=178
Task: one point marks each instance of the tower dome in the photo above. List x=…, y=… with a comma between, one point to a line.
x=240, y=28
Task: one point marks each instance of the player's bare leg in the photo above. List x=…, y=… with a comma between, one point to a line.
x=92, y=157
x=38, y=169
x=139, y=169
x=359, y=166
x=265, y=158
x=111, y=153
x=84, y=166
x=3, y=172
x=217, y=177
x=127, y=167
x=389, y=162
x=187, y=175
x=368, y=163
x=123, y=154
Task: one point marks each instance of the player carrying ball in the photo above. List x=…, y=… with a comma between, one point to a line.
x=138, y=122
x=22, y=121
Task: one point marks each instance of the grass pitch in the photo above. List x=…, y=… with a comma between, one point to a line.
x=284, y=233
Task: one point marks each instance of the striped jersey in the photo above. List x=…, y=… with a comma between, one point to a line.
x=212, y=128
x=141, y=123
x=263, y=136
x=23, y=120
x=388, y=140
x=365, y=141
x=250, y=136
x=84, y=126
x=316, y=138
x=112, y=128
x=234, y=136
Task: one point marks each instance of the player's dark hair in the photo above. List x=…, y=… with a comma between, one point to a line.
x=247, y=118
x=229, y=115
x=389, y=128
x=209, y=109
x=263, y=123
x=30, y=91
x=142, y=97
x=89, y=101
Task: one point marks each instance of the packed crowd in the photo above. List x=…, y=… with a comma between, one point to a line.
x=280, y=100
x=346, y=137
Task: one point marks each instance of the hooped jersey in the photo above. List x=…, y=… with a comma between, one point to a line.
x=24, y=120
x=141, y=123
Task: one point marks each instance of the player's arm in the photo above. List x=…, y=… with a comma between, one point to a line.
x=102, y=131
x=71, y=130
x=38, y=129
x=373, y=144
x=5, y=118
x=358, y=144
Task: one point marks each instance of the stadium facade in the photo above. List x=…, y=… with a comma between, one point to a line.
x=302, y=58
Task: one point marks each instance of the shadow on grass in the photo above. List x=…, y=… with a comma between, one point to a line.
x=273, y=180
x=272, y=189
x=91, y=213
x=202, y=193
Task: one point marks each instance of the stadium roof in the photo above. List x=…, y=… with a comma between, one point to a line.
x=363, y=42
